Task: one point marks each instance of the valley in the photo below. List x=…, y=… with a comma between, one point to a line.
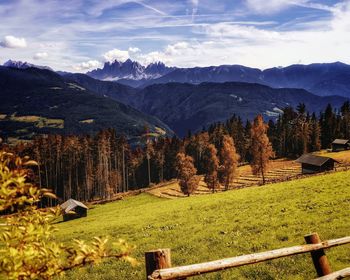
x=187, y=139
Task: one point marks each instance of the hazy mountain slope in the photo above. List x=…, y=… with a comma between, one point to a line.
x=23, y=65
x=215, y=74
x=41, y=101
x=113, y=90
x=320, y=79
x=187, y=106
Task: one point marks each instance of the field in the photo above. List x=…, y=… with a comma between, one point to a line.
x=226, y=224
x=39, y=122
x=280, y=170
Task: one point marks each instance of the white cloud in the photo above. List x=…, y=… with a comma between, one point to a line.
x=271, y=6
x=172, y=54
x=88, y=65
x=40, y=55
x=195, y=4
x=326, y=40
x=152, y=57
x=176, y=48
x=116, y=54
x=133, y=50
x=239, y=32
x=13, y=42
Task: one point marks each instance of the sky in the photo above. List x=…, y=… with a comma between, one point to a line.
x=81, y=35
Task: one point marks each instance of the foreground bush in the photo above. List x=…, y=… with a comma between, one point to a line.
x=27, y=250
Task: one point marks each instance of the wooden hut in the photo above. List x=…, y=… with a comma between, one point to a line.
x=314, y=164
x=73, y=209
x=340, y=145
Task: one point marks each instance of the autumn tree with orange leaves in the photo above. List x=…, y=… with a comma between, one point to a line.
x=211, y=163
x=229, y=161
x=261, y=147
x=186, y=173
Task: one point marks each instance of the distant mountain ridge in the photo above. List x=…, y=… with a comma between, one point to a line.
x=322, y=79
x=39, y=101
x=88, y=104
x=23, y=65
x=130, y=70
x=185, y=106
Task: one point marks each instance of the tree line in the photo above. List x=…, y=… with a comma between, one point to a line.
x=89, y=167
x=295, y=132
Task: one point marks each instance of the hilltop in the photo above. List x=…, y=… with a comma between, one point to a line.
x=41, y=101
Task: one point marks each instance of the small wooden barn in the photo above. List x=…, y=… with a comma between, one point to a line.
x=73, y=209
x=340, y=145
x=314, y=164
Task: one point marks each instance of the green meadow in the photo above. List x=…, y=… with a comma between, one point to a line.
x=227, y=224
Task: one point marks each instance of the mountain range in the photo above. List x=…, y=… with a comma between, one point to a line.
x=130, y=70
x=41, y=101
x=23, y=65
x=185, y=106
x=322, y=79
x=36, y=100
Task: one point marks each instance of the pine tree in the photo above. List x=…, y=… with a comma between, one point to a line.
x=345, y=121
x=315, y=134
x=260, y=147
x=302, y=130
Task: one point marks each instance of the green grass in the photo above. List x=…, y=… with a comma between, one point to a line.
x=211, y=227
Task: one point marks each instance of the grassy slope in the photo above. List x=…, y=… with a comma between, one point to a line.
x=222, y=225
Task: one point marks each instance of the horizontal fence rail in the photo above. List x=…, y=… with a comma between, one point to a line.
x=159, y=267
x=336, y=275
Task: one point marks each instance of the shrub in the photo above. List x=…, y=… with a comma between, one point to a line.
x=28, y=250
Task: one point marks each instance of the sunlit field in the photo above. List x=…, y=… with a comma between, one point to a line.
x=226, y=224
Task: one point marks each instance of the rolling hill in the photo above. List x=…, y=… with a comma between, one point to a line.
x=209, y=227
x=77, y=103
x=190, y=107
x=40, y=101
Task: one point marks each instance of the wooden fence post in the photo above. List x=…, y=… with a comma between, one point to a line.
x=157, y=259
x=319, y=257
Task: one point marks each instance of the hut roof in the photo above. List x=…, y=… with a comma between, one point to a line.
x=314, y=160
x=340, y=141
x=70, y=204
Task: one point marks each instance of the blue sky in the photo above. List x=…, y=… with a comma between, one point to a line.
x=80, y=35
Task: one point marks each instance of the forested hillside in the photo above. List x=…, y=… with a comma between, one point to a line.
x=39, y=101
x=97, y=167
x=186, y=107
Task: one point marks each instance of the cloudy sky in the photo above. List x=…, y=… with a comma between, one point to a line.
x=80, y=35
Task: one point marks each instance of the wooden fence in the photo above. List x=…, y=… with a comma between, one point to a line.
x=158, y=262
